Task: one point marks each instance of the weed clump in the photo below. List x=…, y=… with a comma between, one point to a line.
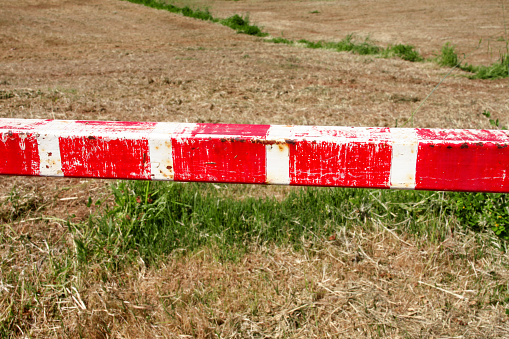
x=499, y=69
x=185, y=11
x=448, y=56
x=349, y=45
x=346, y=45
x=280, y=40
x=496, y=70
x=241, y=25
x=480, y=211
x=405, y=52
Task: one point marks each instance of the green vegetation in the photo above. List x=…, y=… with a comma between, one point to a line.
x=480, y=211
x=500, y=69
x=346, y=45
x=241, y=25
x=236, y=22
x=280, y=41
x=448, y=56
x=185, y=11
x=405, y=52
x=154, y=219
x=178, y=258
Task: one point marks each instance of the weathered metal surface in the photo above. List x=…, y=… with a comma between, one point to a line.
x=460, y=160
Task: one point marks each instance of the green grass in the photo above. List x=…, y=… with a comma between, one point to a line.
x=236, y=22
x=346, y=45
x=185, y=11
x=154, y=219
x=405, y=52
x=449, y=58
x=280, y=40
x=349, y=45
x=242, y=25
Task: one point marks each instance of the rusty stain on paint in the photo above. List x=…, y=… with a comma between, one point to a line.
x=268, y=142
x=475, y=160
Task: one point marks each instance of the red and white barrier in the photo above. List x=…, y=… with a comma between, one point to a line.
x=427, y=159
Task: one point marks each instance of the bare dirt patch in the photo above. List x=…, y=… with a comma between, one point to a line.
x=113, y=60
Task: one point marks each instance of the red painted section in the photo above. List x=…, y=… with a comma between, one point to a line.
x=353, y=164
x=463, y=160
x=221, y=153
x=100, y=157
x=19, y=154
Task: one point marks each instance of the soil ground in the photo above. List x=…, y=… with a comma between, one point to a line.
x=113, y=60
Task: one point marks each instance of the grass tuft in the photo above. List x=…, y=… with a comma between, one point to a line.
x=349, y=45
x=497, y=70
x=241, y=25
x=346, y=45
x=280, y=40
x=405, y=52
x=448, y=56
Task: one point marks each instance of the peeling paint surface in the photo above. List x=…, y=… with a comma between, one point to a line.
x=463, y=160
x=19, y=154
x=161, y=154
x=19, y=151
x=278, y=155
x=220, y=153
x=429, y=159
x=338, y=156
x=404, y=158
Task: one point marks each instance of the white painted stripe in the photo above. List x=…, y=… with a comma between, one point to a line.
x=278, y=156
x=49, y=147
x=161, y=156
x=404, y=158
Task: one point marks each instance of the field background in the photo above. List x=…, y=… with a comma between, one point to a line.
x=114, y=60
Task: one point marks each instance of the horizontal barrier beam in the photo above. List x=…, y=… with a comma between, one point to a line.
x=401, y=158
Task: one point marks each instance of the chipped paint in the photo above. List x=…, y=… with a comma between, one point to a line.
x=219, y=153
x=161, y=156
x=462, y=160
x=48, y=140
x=404, y=158
x=277, y=155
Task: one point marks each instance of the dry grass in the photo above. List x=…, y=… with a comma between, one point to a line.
x=360, y=283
